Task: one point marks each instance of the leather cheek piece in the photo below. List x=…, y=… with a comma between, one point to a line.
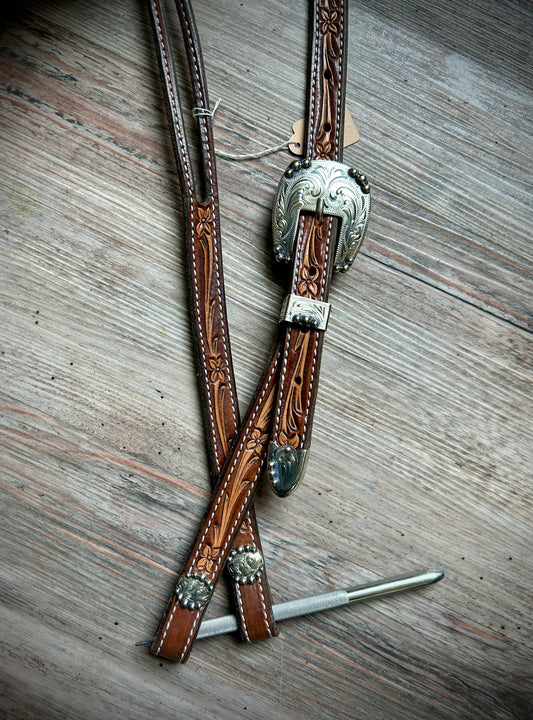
x=203, y=250
x=253, y=608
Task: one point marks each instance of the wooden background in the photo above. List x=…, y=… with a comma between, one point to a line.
x=422, y=449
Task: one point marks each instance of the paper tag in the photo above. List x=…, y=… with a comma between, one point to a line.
x=296, y=142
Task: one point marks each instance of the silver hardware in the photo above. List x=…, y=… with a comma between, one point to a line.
x=246, y=564
x=304, y=311
x=286, y=467
x=326, y=601
x=324, y=187
x=193, y=591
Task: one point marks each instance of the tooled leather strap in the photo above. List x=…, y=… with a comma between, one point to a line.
x=313, y=257
x=252, y=598
x=238, y=483
x=241, y=475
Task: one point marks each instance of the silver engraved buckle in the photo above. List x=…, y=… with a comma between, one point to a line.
x=326, y=187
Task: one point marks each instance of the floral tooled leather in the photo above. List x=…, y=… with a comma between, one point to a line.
x=207, y=295
x=315, y=243
x=328, y=65
x=311, y=274
x=227, y=511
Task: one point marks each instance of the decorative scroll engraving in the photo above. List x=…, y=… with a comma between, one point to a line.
x=305, y=311
x=325, y=187
x=246, y=564
x=286, y=467
x=193, y=591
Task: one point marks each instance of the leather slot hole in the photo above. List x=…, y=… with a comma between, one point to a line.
x=327, y=127
x=327, y=74
x=298, y=380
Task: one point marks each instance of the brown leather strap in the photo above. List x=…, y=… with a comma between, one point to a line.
x=232, y=498
x=252, y=600
x=300, y=361
x=315, y=249
x=314, y=257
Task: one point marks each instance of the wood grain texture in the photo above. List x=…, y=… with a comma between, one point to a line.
x=422, y=443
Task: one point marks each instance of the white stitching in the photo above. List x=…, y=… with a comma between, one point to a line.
x=203, y=359
x=300, y=249
x=241, y=610
x=298, y=260
x=213, y=512
x=191, y=634
x=171, y=93
x=221, y=495
x=261, y=592
x=223, y=328
x=310, y=392
x=314, y=73
x=281, y=386
x=235, y=460
x=202, y=122
x=317, y=338
x=340, y=140
x=188, y=177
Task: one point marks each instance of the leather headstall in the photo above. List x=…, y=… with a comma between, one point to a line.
x=320, y=215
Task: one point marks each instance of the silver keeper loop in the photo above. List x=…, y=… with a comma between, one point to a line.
x=305, y=312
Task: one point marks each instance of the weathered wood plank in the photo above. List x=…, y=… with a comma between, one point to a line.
x=422, y=446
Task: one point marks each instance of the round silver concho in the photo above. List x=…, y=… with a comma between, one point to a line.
x=246, y=564
x=193, y=591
